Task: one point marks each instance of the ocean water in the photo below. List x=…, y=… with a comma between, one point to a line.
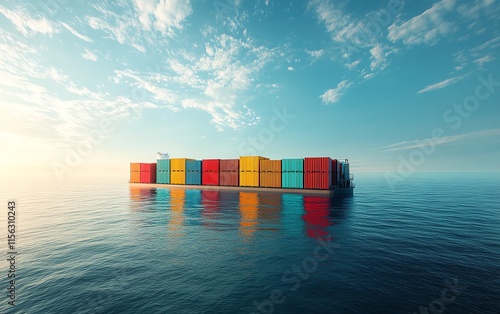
x=432, y=245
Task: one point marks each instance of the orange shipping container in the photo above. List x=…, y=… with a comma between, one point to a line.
x=135, y=172
x=270, y=173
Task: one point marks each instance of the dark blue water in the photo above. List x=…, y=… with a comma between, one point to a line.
x=432, y=243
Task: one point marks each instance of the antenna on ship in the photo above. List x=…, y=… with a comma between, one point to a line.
x=161, y=155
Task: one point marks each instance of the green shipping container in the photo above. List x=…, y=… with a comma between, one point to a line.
x=163, y=171
x=292, y=173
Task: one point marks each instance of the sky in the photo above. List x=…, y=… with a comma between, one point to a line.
x=394, y=86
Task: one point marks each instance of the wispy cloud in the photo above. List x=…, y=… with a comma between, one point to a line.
x=379, y=56
x=353, y=64
x=315, y=53
x=165, y=16
x=341, y=25
x=291, y=68
x=214, y=81
x=406, y=145
x=441, y=21
x=333, y=95
x=481, y=61
x=474, y=9
x=27, y=24
x=77, y=34
x=124, y=28
x=60, y=113
x=354, y=37
x=441, y=84
x=428, y=27
x=89, y=55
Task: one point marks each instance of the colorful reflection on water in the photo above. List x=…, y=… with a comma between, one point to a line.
x=290, y=214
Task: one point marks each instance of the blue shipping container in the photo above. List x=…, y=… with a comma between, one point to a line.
x=193, y=172
x=292, y=173
x=163, y=171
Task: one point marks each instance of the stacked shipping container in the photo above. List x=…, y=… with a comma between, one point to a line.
x=178, y=170
x=249, y=170
x=193, y=172
x=270, y=173
x=135, y=172
x=317, y=173
x=229, y=172
x=163, y=171
x=292, y=176
x=148, y=173
x=210, y=173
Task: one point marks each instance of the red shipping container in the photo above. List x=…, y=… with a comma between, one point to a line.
x=148, y=173
x=318, y=180
x=229, y=178
x=317, y=209
x=210, y=178
x=210, y=165
x=210, y=171
x=318, y=173
x=317, y=164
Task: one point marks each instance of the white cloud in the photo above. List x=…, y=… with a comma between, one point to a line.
x=26, y=24
x=354, y=36
x=341, y=25
x=490, y=44
x=42, y=109
x=333, y=95
x=428, y=27
x=473, y=9
x=368, y=76
x=315, y=53
x=379, y=56
x=405, y=145
x=164, y=15
x=77, y=34
x=353, y=64
x=123, y=28
x=481, y=61
x=441, y=84
x=89, y=55
x=214, y=81
x=291, y=69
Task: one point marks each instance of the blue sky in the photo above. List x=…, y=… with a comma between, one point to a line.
x=90, y=86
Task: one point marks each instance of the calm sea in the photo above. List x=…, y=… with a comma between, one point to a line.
x=432, y=245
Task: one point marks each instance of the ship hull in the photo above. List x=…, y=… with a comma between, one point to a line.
x=332, y=192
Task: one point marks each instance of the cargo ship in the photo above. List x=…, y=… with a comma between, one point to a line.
x=308, y=175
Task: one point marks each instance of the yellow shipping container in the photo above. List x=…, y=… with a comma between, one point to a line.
x=251, y=163
x=178, y=170
x=249, y=178
x=135, y=172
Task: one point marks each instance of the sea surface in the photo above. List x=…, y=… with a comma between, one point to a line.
x=430, y=245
